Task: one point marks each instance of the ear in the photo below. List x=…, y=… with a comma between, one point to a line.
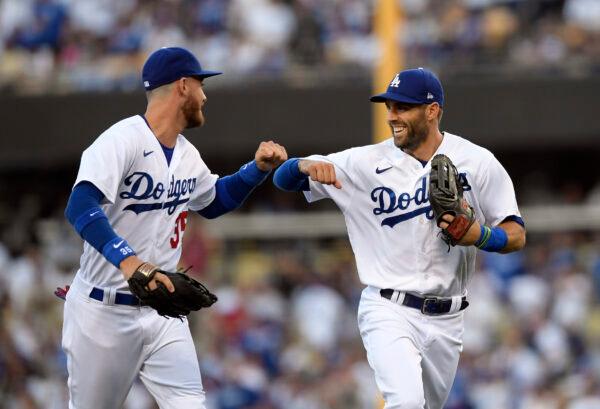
x=181, y=86
x=432, y=111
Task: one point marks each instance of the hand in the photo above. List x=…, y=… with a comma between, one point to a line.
x=131, y=263
x=270, y=155
x=322, y=172
x=470, y=237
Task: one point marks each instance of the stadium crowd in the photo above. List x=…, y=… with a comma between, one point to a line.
x=99, y=45
x=284, y=333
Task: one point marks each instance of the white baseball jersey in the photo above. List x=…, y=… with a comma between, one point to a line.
x=145, y=199
x=384, y=199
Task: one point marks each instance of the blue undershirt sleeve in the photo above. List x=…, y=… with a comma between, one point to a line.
x=289, y=178
x=515, y=219
x=84, y=213
x=232, y=190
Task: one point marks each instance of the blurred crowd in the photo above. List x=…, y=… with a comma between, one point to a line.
x=283, y=334
x=99, y=45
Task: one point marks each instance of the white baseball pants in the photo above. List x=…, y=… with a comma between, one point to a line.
x=414, y=356
x=108, y=345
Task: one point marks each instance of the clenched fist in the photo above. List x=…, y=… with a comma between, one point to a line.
x=322, y=172
x=269, y=155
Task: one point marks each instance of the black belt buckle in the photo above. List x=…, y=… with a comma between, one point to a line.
x=432, y=306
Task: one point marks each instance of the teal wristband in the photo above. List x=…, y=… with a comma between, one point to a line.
x=492, y=240
x=483, y=237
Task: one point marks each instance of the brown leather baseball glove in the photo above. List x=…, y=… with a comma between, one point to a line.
x=446, y=197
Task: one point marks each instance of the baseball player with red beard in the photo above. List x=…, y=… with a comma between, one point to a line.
x=410, y=314
x=135, y=186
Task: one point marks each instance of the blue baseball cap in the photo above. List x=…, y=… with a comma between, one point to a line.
x=416, y=86
x=168, y=64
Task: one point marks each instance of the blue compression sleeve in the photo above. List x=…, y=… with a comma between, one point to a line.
x=84, y=196
x=84, y=213
x=289, y=178
x=232, y=190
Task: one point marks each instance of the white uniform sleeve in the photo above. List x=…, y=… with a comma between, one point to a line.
x=204, y=192
x=343, y=171
x=105, y=162
x=497, y=194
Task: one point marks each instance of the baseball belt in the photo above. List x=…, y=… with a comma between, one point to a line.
x=427, y=305
x=120, y=298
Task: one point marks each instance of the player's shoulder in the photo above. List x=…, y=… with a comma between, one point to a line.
x=125, y=134
x=125, y=128
x=465, y=149
x=468, y=157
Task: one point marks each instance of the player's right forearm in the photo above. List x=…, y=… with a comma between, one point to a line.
x=129, y=265
x=84, y=213
x=288, y=176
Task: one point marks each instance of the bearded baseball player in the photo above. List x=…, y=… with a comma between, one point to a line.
x=135, y=186
x=417, y=206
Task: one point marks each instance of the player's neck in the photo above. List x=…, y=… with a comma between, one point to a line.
x=424, y=152
x=163, y=124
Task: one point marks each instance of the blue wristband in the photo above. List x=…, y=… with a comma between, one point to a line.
x=116, y=251
x=492, y=239
x=252, y=175
x=87, y=217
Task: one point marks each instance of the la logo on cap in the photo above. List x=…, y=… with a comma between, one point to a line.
x=396, y=81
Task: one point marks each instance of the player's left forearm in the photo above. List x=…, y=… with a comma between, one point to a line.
x=516, y=236
x=233, y=190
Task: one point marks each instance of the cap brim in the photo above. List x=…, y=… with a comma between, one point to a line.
x=205, y=74
x=394, y=97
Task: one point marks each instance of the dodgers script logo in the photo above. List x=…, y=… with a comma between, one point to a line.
x=141, y=187
x=389, y=202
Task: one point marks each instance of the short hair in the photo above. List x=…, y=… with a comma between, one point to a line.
x=158, y=91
